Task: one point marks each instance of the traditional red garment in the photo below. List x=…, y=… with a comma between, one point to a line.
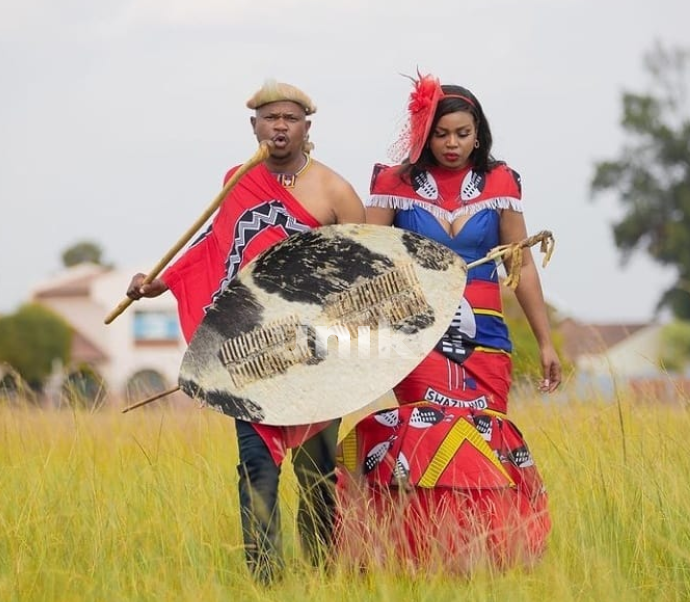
x=470, y=367
x=256, y=214
x=428, y=484
x=446, y=476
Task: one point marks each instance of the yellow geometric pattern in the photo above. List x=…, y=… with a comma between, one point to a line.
x=462, y=431
x=488, y=312
x=490, y=350
x=348, y=449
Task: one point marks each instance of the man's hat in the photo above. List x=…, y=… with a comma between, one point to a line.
x=273, y=91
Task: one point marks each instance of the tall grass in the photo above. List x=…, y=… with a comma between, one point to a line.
x=143, y=506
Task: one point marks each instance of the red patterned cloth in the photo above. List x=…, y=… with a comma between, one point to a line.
x=446, y=479
x=256, y=214
x=426, y=485
x=481, y=382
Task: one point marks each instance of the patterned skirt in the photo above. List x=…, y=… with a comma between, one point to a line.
x=425, y=485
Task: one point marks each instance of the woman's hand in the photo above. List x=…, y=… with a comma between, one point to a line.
x=551, y=369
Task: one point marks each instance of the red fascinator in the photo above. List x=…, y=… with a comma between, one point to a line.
x=421, y=108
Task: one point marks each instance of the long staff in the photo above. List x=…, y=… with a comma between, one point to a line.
x=258, y=157
x=148, y=400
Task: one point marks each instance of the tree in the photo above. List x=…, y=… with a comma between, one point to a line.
x=652, y=173
x=32, y=339
x=675, y=346
x=82, y=252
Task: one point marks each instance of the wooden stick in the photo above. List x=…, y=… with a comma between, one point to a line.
x=542, y=237
x=143, y=402
x=260, y=156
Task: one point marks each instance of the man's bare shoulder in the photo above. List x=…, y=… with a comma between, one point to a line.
x=330, y=176
x=342, y=197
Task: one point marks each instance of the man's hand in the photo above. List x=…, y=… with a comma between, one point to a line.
x=137, y=289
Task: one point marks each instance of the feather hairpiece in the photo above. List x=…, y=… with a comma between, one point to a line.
x=421, y=107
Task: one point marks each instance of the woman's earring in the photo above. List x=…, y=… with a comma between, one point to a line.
x=476, y=143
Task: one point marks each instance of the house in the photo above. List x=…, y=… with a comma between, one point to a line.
x=626, y=349
x=138, y=354
x=610, y=358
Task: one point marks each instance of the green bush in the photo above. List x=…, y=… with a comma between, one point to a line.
x=675, y=345
x=32, y=339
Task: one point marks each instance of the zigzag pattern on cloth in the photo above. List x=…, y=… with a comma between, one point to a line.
x=253, y=222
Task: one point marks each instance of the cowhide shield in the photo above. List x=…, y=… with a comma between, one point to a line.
x=322, y=324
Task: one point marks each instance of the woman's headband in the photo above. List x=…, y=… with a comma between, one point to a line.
x=469, y=101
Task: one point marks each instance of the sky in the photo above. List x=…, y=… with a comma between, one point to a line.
x=119, y=118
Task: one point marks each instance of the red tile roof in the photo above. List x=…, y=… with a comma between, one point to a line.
x=72, y=282
x=86, y=351
x=585, y=339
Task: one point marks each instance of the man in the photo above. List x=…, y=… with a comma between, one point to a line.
x=290, y=192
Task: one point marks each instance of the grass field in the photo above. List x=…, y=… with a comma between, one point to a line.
x=143, y=506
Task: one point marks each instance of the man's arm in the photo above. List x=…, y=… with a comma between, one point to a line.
x=348, y=208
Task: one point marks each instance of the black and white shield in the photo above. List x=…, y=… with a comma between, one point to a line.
x=322, y=324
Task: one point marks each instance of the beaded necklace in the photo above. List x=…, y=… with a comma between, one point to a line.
x=288, y=180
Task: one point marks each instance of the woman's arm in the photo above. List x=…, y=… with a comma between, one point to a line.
x=531, y=298
x=380, y=216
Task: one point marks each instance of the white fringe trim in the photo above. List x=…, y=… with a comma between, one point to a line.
x=384, y=201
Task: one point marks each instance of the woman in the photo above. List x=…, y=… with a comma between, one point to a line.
x=448, y=479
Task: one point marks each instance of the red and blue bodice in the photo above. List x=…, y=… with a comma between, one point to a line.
x=428, y=205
